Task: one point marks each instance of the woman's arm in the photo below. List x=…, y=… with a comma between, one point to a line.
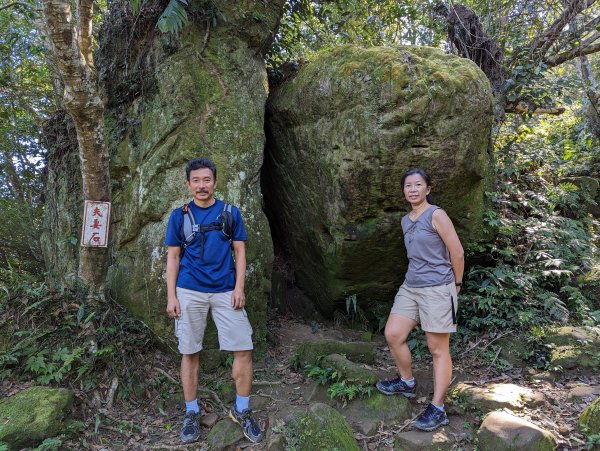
x=444, y=227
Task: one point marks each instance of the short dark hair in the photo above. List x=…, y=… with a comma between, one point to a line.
x=422, y=173
x=200, y=163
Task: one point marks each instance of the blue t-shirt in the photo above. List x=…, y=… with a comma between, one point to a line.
x=211, y=271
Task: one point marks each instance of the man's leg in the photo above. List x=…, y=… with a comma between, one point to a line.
x=241, y=372
x=189, y=375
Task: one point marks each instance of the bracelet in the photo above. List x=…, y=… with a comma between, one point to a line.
x=458, y=284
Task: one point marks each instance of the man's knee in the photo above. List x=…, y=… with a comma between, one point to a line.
x=242, y=357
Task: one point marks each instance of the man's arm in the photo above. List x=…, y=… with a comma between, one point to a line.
x=238, y=299
x=173, y=259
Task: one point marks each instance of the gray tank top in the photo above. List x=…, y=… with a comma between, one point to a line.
x=428, y=257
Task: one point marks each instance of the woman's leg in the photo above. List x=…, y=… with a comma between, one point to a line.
x=397, y=329
x=439, y=347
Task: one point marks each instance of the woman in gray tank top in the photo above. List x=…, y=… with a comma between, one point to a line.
x=428, y=297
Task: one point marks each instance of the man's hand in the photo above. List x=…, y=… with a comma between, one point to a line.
x=173, y=308
x=238, y=299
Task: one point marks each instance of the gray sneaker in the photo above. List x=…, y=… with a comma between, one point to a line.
x=397, y=386
x=190, y=431
x=249, y=425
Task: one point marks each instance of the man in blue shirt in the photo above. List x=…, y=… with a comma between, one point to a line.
x=205, y=277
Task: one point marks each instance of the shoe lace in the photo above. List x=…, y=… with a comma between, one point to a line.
x=189, y=420
x=247, y=416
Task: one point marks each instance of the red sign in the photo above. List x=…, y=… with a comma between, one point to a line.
x=96, y=217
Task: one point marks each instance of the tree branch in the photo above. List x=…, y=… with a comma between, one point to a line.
x=10, y=5
x=560, y=58
x=541, y=44
x=521, y=107
x=85, y=12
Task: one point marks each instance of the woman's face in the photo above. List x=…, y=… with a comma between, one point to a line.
x=415, y=189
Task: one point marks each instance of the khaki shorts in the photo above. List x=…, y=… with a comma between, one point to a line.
x=233, y=327
x=434, y=307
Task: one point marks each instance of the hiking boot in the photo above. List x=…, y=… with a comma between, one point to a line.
x=190, y=431
x=397, y=387
x=431, y=418
x=249, y=425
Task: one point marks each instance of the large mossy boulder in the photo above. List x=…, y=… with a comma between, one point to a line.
x=34, y=414
x=340, y=134
x=170, y=98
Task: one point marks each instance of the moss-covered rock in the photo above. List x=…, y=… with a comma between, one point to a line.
x=309, y=352
x=32, y=415
x=501, y=431
x=589, y=420
x=340, y=135
x=169, y=99
x=574, y=347
x=223, y=434
x=368, y=413
x=320, y=428
x=352, y=373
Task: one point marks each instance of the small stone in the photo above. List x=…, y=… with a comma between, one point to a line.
x=209, y=420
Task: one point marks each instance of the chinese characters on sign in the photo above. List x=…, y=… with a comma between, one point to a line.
x=95, y=224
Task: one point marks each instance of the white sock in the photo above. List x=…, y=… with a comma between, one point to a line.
x=410, y=382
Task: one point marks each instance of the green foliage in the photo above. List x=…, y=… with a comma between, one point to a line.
x=174, y=17
x=58, y=337
x=338, y=387
x=308, y=26
x=544, y=235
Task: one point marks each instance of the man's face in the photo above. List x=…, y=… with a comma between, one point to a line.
x=202, y=184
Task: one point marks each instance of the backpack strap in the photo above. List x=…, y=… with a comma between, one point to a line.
x=227, y=220
x=189, y=226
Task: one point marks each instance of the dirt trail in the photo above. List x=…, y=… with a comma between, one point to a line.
x=154, y=422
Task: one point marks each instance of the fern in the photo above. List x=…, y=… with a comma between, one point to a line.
x=174, y=17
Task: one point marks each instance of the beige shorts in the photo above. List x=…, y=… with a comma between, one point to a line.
x=434, y=307
x=233, y=327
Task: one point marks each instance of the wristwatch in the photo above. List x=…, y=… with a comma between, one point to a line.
x=458, y=284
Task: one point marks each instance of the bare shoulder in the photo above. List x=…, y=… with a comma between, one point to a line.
x=441, y=220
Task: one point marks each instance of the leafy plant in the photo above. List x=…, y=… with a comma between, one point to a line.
x=338, y=387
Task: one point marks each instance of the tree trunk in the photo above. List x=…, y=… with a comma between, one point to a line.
x=71, y=47
x=591, y=98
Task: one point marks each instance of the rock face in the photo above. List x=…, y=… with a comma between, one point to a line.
x=341, y=133
x=170, y=99
x=33, y=415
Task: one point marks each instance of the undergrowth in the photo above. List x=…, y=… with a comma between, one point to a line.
x=52, y=337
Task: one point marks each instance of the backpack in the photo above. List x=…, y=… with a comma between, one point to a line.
x=224, y=223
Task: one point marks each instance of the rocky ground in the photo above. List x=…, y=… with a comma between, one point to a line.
x=548, y=403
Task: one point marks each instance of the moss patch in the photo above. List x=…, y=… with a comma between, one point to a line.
x=320, y=428
x=32, y=415
x=589, y=421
